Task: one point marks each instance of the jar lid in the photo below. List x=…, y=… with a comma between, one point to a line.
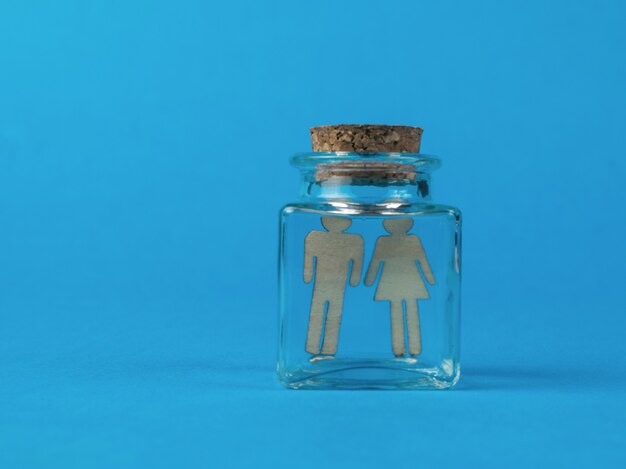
x=366, y=138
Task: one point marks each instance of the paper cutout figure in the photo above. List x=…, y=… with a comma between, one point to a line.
x=329, y=255
x=400, y=281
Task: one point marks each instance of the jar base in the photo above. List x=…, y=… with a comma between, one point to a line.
x=372, y=376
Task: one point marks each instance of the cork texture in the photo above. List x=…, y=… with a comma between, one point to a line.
x=366, y=138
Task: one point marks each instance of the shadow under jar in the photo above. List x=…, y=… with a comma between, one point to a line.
x=369, y=272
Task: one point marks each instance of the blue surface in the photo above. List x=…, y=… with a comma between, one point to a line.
x=143, y=158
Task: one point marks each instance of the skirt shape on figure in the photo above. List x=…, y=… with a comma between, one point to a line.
x=401, y=280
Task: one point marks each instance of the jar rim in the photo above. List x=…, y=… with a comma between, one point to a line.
x=420, y=161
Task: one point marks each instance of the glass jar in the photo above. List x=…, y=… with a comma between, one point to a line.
x=369, y=275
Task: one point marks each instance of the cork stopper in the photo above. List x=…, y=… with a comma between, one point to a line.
x=365, y=173
x=366, y=138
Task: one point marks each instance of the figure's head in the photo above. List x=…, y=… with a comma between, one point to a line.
x=398, y=226
x=336, y=224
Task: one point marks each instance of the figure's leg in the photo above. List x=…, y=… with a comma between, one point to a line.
x=331, y=328
x=316, y=317
x=413, y=326
x=397, y=329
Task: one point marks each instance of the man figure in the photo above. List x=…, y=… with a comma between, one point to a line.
x=329, y=255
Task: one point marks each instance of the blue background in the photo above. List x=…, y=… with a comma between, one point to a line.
x=143, y=159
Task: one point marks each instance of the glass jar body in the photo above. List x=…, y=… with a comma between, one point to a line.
x=369, y=295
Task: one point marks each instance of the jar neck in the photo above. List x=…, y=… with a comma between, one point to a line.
x=365, y=178
x=364, y=190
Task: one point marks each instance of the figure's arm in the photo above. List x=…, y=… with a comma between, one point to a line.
x=373, y=267
x=423, y=262
x=308, y=260
x=357, y=262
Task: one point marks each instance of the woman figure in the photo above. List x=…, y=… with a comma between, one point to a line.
x=400, y=281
